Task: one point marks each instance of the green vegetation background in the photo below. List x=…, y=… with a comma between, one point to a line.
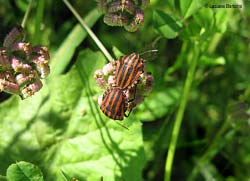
x=60, y=133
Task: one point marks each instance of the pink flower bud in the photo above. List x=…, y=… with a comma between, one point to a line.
x=101, y=82
x=31, y=89
x=41, y=50
x=98, y=73
x=18, y=66
x=24, y=79
x=22, y=65
x=139, y=16
x=9, y=87
x=42, y=66
x=22, y=46
x=108, y=69
x=124, y=5
x=136, y=21
x=7, y=75
x=111, y=80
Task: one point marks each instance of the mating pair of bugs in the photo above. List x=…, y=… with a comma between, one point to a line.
x=128, y=70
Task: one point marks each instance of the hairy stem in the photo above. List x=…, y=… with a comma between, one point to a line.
x=89, y=31
x=180, y=113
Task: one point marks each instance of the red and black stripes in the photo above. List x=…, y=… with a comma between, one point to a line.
x=114, y=103
x=128, y=70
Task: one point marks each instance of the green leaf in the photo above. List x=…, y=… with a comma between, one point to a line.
x=192, y=31
x=166, y=25
x=118, y=53
x=88, y=62
x=158, y=104
x=67, y=49
x=94, y=146
x=66, y=132
x=204, y=18
x=22, y=5
x=17, y=118
x=24, y=171
x=221, y=20
x=189, y=7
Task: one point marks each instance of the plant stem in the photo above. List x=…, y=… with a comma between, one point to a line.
x=89, y=31
x=180, y=113
x=214, y=42
x=26, y=15
x=39, y=17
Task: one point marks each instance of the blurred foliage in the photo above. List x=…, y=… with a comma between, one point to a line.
x=60, y=132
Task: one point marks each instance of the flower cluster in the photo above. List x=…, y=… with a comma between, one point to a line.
x=135, y=94
x=126, y=13
x=21, y=65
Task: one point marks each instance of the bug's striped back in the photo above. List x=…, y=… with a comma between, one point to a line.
x=128, y=70
x=114, y=103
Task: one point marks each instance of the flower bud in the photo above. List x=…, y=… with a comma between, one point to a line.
x=98, y=73
x=136, y=21
x=30, y=89
x=7, y=75
x=101, y=82
x=20, y=67
x=121, y=5
x=111, y=80
x=22, y=47
x=113, y=19
x=4, y=60
x=42, y=51
x=108, y=69
x=9, y=87
x=25, y=79
x=42, y=66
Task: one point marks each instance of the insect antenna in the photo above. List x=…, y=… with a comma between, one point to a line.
x=149, y=51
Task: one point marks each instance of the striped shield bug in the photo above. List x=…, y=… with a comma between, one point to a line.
x=114, y=103
x=128, y=70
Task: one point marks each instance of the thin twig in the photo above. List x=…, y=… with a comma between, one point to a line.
x=89, y=31
x=26, y=15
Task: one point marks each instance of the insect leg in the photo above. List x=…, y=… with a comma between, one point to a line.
x=131, y=103
x=131, y=100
